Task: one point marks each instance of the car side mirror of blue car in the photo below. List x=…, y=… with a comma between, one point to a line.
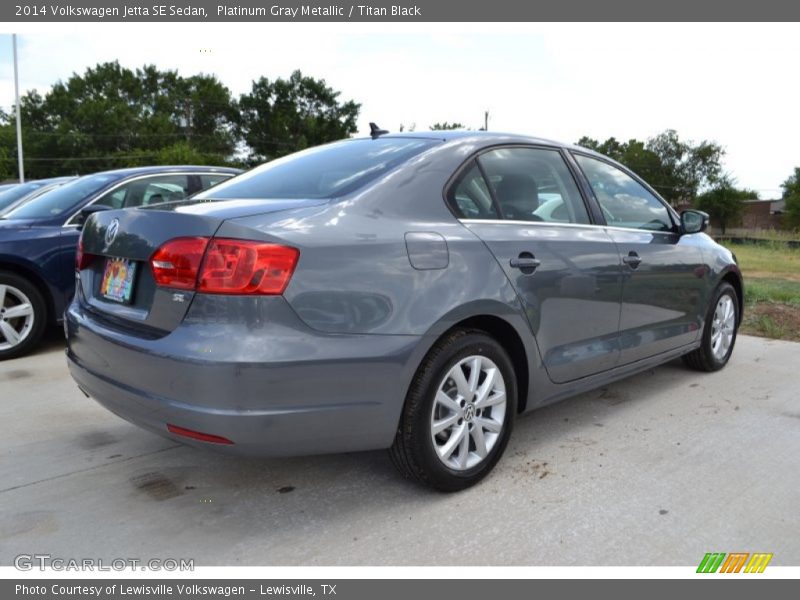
x=88, y=211
x=693, y=221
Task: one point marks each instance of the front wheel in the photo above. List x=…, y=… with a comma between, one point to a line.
x=719, y=334
x=458, y=413
x=22, y=315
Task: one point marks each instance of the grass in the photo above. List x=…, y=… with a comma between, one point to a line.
x=767, y=260
x=772, y=289
x=778, y=235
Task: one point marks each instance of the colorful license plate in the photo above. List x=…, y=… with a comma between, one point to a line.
x=117, y=283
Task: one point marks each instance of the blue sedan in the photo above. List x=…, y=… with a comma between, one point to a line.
x=38, y=241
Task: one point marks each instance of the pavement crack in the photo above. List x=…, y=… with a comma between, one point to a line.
x=87, y=469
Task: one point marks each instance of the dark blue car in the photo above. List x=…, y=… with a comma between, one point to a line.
x=38, y=241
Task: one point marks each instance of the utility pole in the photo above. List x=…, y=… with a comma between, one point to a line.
x=486, y=120
x=19, y=121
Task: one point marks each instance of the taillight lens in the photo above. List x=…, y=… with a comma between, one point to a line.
x=177, y=263
x=82, y=260
x=224, y=266
x=246, y=267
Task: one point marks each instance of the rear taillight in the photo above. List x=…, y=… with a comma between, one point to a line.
x=177, y=263
x=224, y=266
x=245, y=267
x=82, y=260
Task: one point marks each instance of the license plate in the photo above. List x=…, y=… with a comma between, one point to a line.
x=117, y=283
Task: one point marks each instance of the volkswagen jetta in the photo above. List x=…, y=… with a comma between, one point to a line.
x=396, y=291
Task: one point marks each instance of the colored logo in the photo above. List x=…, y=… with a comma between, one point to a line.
x=734, y=562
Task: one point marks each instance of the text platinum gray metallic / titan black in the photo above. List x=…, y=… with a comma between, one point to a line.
x=414, y=292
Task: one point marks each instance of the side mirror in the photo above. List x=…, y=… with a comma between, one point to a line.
x=88, y=211
x=693, y=221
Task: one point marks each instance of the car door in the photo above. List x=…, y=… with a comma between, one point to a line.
x=664, y=272
x=565, y=270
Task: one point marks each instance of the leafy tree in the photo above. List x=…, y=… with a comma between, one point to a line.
x=689, y=166
x=678, y=170
x=724, y=202
x=791, y=193
x=286, y=115
x=112, y=116
x=446, y=126
x=8, y=144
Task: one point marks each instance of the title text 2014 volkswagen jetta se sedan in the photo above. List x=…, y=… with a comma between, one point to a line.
x=397, y=291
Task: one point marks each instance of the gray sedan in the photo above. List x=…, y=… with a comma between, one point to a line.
x=396, y=291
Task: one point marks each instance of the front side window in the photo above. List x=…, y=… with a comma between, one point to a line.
x=625, y=201
x=533, y=184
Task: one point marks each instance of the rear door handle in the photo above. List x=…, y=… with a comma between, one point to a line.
x=525, y=262
x=633, y=260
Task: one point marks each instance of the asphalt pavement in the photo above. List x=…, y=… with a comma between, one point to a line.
x=657, y=469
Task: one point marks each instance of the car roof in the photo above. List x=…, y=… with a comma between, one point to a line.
x=486, y=137
x=166, y=169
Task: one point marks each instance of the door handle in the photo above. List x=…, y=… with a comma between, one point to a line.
x=525, y=262
x=633, y=260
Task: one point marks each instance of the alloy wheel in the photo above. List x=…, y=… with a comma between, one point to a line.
x=468, y=412
x=723, y=327
x=16, y=317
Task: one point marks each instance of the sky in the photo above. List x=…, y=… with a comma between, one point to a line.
x=735, y=84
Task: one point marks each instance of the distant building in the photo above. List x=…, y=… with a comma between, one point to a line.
x=762, y=214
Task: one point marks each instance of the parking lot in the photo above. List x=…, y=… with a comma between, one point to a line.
x=654, y=470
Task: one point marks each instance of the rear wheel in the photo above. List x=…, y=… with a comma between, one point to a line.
x=22, y=315
x=719, y=334
x=458, y=413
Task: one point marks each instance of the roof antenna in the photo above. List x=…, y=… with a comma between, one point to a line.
x=376, y=131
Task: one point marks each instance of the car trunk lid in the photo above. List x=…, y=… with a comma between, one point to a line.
x=117, y=282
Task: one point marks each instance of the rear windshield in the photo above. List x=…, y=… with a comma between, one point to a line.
x=63, y=199
x=323, y=172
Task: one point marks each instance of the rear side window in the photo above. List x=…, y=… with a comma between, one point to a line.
x=470, y=198
x=210, y=180
x=146, y=191
x=323, y=172
x=533, y=184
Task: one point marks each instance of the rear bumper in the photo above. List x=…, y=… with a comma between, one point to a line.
x=275, y=389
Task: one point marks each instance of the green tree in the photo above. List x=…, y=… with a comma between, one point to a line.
x=677, y=169
x=111, y=116
x=791, y=193
x=724, y=202
x=446, y=126
x=286, y=115
x=8, y=145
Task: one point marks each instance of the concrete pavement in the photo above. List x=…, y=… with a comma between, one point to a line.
x=655, y=470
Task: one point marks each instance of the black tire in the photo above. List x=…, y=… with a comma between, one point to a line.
x=413, y=452
x=703, y=358
x=16, y=286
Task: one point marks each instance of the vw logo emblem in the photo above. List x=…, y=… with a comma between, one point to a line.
x=111, y=232
x=469, y=412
